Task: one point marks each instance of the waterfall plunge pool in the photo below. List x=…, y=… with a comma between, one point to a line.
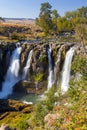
x=26, y=98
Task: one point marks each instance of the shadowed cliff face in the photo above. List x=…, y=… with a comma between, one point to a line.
x=38, y=69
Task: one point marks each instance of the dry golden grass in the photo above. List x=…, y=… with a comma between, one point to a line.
x=19, y=23
x=29, y=26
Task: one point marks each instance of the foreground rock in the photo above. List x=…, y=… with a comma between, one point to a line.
x=14, y=106
x=4, y=127
x=11, y=111
x=50, y=119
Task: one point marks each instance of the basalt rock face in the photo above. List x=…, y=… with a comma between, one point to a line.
x=38, y=64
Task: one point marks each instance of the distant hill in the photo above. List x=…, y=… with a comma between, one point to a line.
x=2, y=19
x=19, y=19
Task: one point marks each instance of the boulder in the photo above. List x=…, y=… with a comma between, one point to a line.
x=13, y=105
x=30, y=87
x=5, y=127
x=50, y=119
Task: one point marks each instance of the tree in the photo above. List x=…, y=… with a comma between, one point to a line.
x=82, y=12
x=71, y=15
x=81, y=33
x=45, y=19
x=55, y=17
x=38, y=77
x=64, y=25
x=1, y=19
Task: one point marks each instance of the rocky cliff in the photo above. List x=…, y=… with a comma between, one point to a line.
x=38, y=71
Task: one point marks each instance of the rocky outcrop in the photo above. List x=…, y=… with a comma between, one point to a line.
x=50, y=120
x=12, y=107
x=39, y=62
x=9, y=105
x=30, y=87
x=5, y=127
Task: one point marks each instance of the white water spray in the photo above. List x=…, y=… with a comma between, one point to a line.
x=50, y=77
x=26, y=68
x=12, y=75
x=66, y=70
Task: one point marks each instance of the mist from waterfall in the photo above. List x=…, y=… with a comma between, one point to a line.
x=26, y=68
x=51, y=75
x=66, y=70
x=12, y=75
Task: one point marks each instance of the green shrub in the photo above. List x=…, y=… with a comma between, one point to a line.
x=20, y=122
x=22, y=125
x=2, y=30
x=16, y=36
x=38, y=77
x=80, y=65
x=76, y=89
x=43, y=58
x=40, y=112
x=45, y=106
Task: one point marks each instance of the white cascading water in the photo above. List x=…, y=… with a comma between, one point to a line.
x=26, y=68
x=50, y=77
x=12, y=75
x=66, y=70
x=57, y=65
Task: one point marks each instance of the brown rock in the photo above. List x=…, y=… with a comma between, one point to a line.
x=4, y=127
x=13, y=105
x=50, y=119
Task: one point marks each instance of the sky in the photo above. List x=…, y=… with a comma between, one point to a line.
x=31, y=8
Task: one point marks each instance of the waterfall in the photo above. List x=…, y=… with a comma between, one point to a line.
x=50, y=77
x=12, y=75
x=66, y=70
x=26, y=68
x=57, y=67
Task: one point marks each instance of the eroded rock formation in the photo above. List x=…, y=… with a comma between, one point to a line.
x=37, y=73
